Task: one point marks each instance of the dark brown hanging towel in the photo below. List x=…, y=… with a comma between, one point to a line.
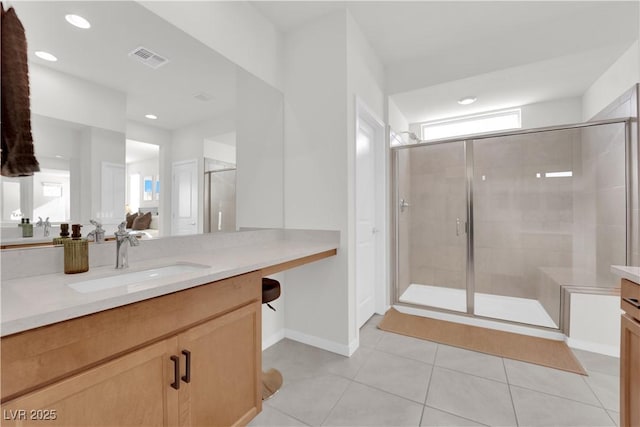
x=17, y=143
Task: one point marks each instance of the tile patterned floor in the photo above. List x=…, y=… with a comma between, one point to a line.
x=393, y=380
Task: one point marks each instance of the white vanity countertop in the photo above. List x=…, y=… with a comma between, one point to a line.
x=34, y=301
x=629, y=273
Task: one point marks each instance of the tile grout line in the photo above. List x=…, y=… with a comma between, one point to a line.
x=457, y=416
x=595, y=394
x=470, y=374
x=611, y=418
x=288, y=415
x=513, y=405
x=336, y=404
x=402, y=357
x=362, y=364
x=528, y=388
x=558, y=397
x=433, y=367
x=388, y=392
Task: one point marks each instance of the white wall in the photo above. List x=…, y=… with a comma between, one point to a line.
x=259, y=157
x=221, y=147
x=234, y=29
x=53, y=138
x=315, y=171
x=551, y=113
x=618, y=78
x=328, y=63
x=365, y=82
x=397, y=120
x=106, y=146
x=601, y=333
x=65, y=97
x=148, y=167
x=259, y=153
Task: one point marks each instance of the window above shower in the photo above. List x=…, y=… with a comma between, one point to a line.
x=470, y=125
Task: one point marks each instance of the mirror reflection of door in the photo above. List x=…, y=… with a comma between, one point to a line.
x=184, y=197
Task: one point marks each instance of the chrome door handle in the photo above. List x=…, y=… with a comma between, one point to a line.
x=457, y=226
x=403, y=205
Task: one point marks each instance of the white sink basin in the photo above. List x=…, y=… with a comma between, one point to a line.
x=124, y=279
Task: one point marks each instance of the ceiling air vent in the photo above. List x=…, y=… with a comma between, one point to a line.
x=148, y=57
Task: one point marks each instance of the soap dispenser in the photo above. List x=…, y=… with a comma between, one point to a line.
x=27, y=229
x=76, y=252
x=64, y=235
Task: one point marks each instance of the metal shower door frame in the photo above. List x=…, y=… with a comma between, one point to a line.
x=469, y=141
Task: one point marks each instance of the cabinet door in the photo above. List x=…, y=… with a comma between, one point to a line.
x=132, y=390
x=224, y=388
x=630, y=372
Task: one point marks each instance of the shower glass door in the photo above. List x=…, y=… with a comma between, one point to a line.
x=431, y=217
x=549, y=211
x=220, y=201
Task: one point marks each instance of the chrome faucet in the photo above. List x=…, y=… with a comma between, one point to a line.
x=46, y=224
x=122, y=238
x=96, y=235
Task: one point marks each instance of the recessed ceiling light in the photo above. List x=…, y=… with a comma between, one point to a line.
x=467, y=100
x=77, y=21
x=46, y=56
x=151, y=116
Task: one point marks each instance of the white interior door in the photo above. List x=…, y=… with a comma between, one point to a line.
x=113, y=187
x=365, y=221
x=184, y=197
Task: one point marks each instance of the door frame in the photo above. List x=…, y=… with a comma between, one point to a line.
x=381, y=195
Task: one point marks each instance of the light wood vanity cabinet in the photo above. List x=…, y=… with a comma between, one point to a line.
x=209, y=336
x=630, y=355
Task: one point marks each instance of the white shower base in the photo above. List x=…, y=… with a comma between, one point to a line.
x=523, y=310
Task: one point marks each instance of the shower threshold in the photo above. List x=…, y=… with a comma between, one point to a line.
x=515, y=309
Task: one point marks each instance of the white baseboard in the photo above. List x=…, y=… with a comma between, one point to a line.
x=609, y=350
x=332, y=346
x=272, y=339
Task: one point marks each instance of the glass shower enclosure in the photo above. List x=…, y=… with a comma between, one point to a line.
x=220, y=200
x=494, y=226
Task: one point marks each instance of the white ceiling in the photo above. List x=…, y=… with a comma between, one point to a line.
x=100, y=54
x=504, y=52
x=434, y=52
x=137, y=151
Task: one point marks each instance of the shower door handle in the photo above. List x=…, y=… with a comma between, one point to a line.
x=403, y=205
x=458, y=223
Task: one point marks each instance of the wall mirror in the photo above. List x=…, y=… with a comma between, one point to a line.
x=137, y=116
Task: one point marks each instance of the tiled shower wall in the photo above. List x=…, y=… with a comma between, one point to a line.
x=627, y=106
x=599, y=235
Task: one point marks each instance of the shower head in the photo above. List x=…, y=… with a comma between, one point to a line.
x=412, y=136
